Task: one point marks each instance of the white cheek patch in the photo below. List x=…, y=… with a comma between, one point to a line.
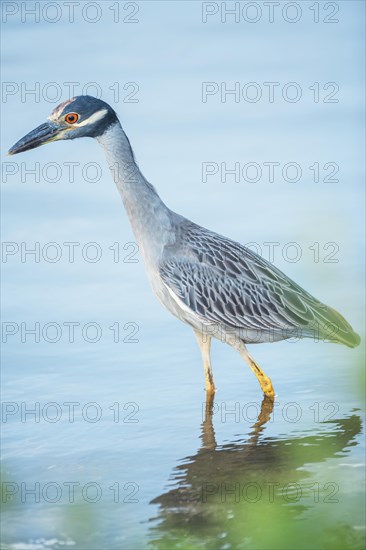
x=93, y=118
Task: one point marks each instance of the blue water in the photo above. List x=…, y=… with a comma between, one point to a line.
x=126, y=413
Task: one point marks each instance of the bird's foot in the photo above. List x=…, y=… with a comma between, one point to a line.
x=267, y=388
x=264, y=380
x=210, y=385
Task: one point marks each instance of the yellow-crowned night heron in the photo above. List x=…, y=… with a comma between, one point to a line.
x=215, y=285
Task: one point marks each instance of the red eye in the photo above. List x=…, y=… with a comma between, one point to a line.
x=71, y=118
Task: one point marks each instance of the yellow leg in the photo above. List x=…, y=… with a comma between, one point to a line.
x=204, y=343
x=263, y=379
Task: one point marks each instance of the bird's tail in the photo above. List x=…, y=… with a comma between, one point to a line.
x=333, y=326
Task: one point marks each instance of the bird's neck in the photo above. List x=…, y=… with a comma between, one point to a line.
x=148, y=214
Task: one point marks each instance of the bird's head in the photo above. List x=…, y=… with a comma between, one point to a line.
x=81, y=116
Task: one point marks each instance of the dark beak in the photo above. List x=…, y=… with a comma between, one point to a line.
x=39, y=136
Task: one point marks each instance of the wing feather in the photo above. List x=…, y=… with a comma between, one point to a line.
x=227, y=283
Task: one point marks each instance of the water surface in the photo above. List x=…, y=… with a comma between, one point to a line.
x=122, y=450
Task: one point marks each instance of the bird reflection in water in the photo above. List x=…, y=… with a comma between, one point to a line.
x=216, y=492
